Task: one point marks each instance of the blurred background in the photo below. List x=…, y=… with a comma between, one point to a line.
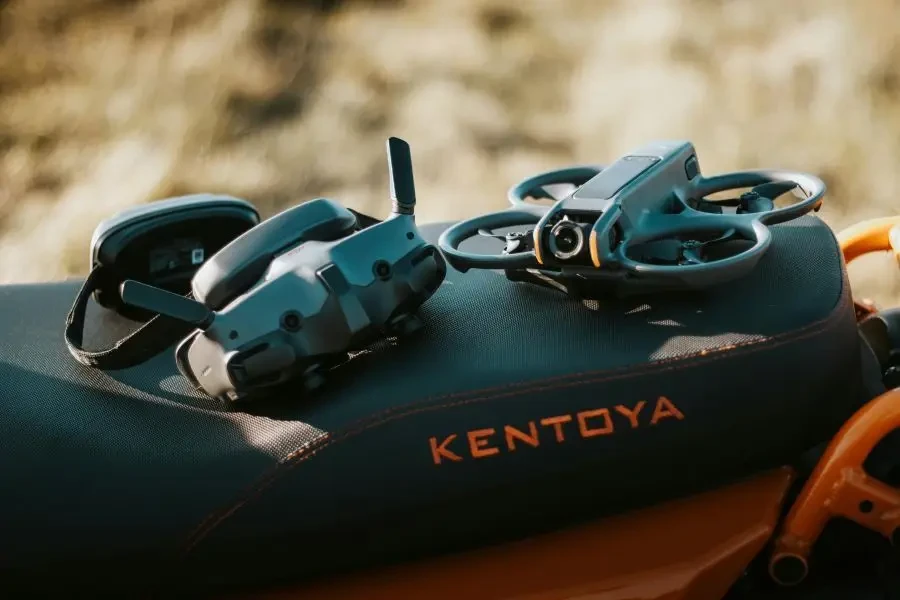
x=105, y=104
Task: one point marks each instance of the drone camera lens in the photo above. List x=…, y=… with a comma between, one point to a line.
x=566, y=240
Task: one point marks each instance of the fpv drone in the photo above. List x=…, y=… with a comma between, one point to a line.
x=642, y=223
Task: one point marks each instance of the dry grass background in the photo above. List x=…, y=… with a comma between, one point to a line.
x=109, y=103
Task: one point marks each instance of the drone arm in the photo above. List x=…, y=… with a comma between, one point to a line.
x=813, y=187
x=532, y=186
x=702, y=274
x=655, y=226
x=462, y=261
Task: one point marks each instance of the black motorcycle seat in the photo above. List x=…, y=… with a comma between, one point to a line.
x=516, y=409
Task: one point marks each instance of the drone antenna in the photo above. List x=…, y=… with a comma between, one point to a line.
x=166, y=303
x=403, y=189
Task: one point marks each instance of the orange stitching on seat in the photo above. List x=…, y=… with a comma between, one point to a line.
x=307, y=451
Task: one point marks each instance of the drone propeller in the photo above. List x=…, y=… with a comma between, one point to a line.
x=773, y=189
x=671, y=250
x=552, y=191
x=691, y=249
x=758, y=199
x=488, y=233
x=515, y=240
x=540, y=193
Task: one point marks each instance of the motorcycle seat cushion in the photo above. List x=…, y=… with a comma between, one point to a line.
x=515, y=410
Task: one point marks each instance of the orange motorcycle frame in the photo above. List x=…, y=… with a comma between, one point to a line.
x=689, y=549
x=839, y=486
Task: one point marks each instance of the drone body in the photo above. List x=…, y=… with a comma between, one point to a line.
x=642, y=223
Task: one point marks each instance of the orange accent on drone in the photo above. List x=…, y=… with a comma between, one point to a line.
x=537, y=245
x=595, y=251
x=688, y=549
x=839, y=487
x=485, y=442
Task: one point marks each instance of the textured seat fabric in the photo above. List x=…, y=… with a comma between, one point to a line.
x=515, y=410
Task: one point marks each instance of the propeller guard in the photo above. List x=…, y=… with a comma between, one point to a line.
x=653, y=196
